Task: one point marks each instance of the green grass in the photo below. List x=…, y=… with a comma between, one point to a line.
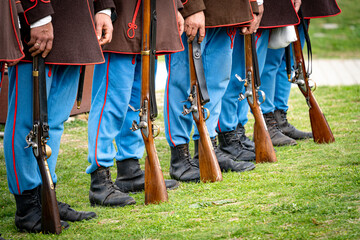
x=341, y=42
x=312, y=192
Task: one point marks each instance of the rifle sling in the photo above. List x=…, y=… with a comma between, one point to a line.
x=81, y=83
x=199, y=69
x=153, y=24
x=308, y=43
x=257, y=81
x=43, y=97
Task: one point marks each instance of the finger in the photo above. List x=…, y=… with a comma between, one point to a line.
x=33, y=54
x=105, y=39
x=99, y=30
x=188, y=33
x=42, y=46
x=201, y=34
x=35, y=47
x=47, y=49
x=10, y=64
x=243, y=30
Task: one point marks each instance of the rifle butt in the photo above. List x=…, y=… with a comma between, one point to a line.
x=155, y=188
x=50, y=217
x=209, y=166
x=320, y=128
x=264, y=149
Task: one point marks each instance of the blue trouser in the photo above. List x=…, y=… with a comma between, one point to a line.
x=234, y=111
x=116, y=84
x=62, y=81
x=274, y=80
x=216, y=56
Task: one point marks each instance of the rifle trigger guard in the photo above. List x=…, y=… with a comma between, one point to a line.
x=262, y=96
x=313, y=86
x=207, y=113
x=157, y=130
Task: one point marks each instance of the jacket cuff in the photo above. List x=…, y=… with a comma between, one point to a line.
x=192, y=6
x=36, y=10
x=103, y=4
x=254, y=7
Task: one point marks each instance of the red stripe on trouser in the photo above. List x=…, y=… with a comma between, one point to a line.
x=219, y=126
x=102, y=110
x=167, y=105
x=13, y=133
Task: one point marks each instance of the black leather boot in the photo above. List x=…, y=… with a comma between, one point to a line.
x=277, y=137
x=130, y=178
x=229, y=142
x=69, y=214
x=181, y=166
x=288, y=129
x=244, y=140
x=104, y=192
x=28, y=211
x=227, y=162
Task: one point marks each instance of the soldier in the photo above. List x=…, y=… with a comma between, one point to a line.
x=116, y=85
x=73, y=45
x=275, y=82
x=215, y=19
x=233, y=115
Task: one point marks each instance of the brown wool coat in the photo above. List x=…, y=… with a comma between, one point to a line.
x=127, y=33
x=319, y=8
x=75, y=41
x=221, y=13
x=10, y=45
x=278, y=13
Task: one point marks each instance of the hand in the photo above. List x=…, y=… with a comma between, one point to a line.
x=180, y=22
x=254, y=25
x=104, y=28
x=297, y=4
x=13, y=63
x=193, y=24
x=41, y=40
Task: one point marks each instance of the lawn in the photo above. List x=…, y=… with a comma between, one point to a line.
x=312, y=192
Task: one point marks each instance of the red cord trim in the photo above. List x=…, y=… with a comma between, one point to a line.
x=102, y=110
x=50, y=71
x=231, y=32
x=132, y=26
x=13, y=133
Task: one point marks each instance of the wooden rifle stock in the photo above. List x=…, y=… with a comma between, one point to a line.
x=37, y=138
x=208, y=163
x=155, y=188
x=320, y=128
x=264, y=149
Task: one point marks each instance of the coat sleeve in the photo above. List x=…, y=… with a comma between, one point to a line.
x=192, y=6
x=103, y=4
x=36, y=10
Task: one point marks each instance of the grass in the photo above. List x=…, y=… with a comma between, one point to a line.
x=341, y=41
x=312, y=192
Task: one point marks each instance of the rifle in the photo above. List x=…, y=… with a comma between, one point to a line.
x=264, y=149
x=155, y=189
x=320, y=128
x=37, y=138
x=208, y=163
